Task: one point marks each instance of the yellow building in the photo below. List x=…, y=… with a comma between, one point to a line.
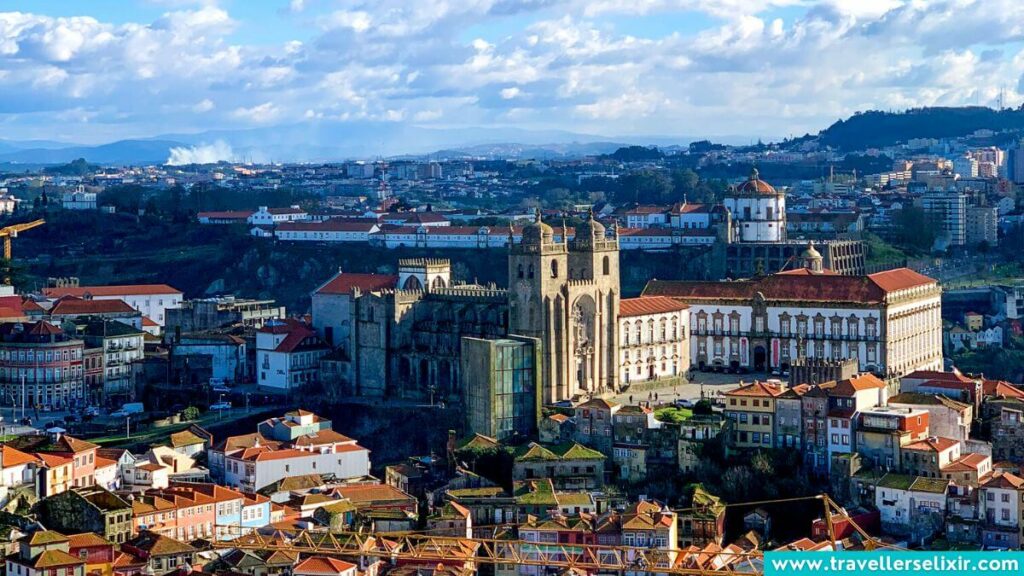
x=751, y=409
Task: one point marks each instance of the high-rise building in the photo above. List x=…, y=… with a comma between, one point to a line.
x=948, y=208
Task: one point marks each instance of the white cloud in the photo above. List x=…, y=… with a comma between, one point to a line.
x=260, y=113
x=204, y=105
x=570, y=64
x=219, y=151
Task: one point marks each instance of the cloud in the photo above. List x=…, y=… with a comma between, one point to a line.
x=219, y=151
x=692, y=67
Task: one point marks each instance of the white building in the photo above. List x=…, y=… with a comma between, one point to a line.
x=327, y=231
x=152, y=300
x=273, y=216
x=889, y=321
x=78, y=200
x=758, y=211
x=288, y=354
x=907, y=503
x=965, y=167
x=652, y=339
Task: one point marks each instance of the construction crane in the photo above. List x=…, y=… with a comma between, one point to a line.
x=427, y=548
x=8, y=232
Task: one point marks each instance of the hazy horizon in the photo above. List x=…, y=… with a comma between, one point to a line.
x=105, y=70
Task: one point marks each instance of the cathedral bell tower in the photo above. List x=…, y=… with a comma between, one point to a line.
x=566, y=295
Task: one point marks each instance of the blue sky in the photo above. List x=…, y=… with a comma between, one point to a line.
x=100, y=70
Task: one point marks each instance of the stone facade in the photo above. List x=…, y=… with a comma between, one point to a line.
x=567, y=296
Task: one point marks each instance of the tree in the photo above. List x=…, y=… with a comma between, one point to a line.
x=646, y=187
x=190, y=413
x=915, y=228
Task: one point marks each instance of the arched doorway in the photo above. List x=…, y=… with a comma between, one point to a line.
x=760, y=359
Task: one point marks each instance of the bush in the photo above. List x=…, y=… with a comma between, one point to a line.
x=190, y=413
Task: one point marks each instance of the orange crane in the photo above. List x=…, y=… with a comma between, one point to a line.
x=8, y=232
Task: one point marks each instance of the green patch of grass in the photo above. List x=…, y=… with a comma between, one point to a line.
x=673, y=414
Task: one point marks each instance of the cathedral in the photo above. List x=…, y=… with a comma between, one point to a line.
x=400, y=336
x=566, y=294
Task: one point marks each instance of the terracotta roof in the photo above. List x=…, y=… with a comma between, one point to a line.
x=159, y=545
x=850, y=386
x=649, y=305
x=369, y=494
x=899, y=279
x=937, y=375
x=598, y=403
x=71, y=444
x=933, y=444
x=122, y=290
x=755, y=185
x=42, y=537
x=87, y=539
x=1001, y=388
x=1005, y=480
x=756, y=389
x=966, y=463
x=793, y=287
x=51, y=460
x=322, y=565
x=55, y=558
x=345, y=282
x=13, y=457
x=72, y=306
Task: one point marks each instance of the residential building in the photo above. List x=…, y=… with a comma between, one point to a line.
x=982, y=226
x=205, y=314
x=947, y=417
x=883, y=430
x=89, y=509
x=41, y=365
x=928, y=457
x=288, y=354
x=703, y=523
x=97, y=551
x=652, y=339
x=751, y=412
x=948, y=208
x=44, y=553
x=568, y=466
x=911, y=506
x=594, y=424
x=152, y=300
x=1000, y=509
x=162, y=555
x=123, y=348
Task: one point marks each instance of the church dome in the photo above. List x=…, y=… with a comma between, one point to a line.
x=537, y=232
x=754, y=185
x=810, y=253
x=591, y=228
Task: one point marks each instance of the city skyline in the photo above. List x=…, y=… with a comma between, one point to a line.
x=734, y=70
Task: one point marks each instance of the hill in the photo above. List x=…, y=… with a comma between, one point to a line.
x=875, y=129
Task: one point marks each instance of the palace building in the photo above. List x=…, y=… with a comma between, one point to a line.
x=889, y=321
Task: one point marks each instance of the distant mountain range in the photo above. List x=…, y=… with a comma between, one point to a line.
x=326, y=141
x=321, y=141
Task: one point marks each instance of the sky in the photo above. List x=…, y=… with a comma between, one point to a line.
x=102, y=70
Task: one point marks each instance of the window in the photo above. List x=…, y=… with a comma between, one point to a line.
x=606, y=266
x=554, y=268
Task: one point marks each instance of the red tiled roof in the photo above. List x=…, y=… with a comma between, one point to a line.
x=345, y=282
x=1001, y=388
x=937, y=375
x=1006, y=480
x=899, y=279
x=757, y=389
x=87, y=539
x=857, y=384
x=14, y=457
x=73, y=306
x=122, y=290
x=649, y=305
x=792, y=287
x=322, y=565
x=933, y=444
x=966, y=463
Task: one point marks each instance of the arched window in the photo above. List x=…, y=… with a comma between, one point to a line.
x=554, y=268
x=520, y=273
x=606, y=266
x=529, y=272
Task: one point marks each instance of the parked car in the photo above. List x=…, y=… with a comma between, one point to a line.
x=684, y=403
